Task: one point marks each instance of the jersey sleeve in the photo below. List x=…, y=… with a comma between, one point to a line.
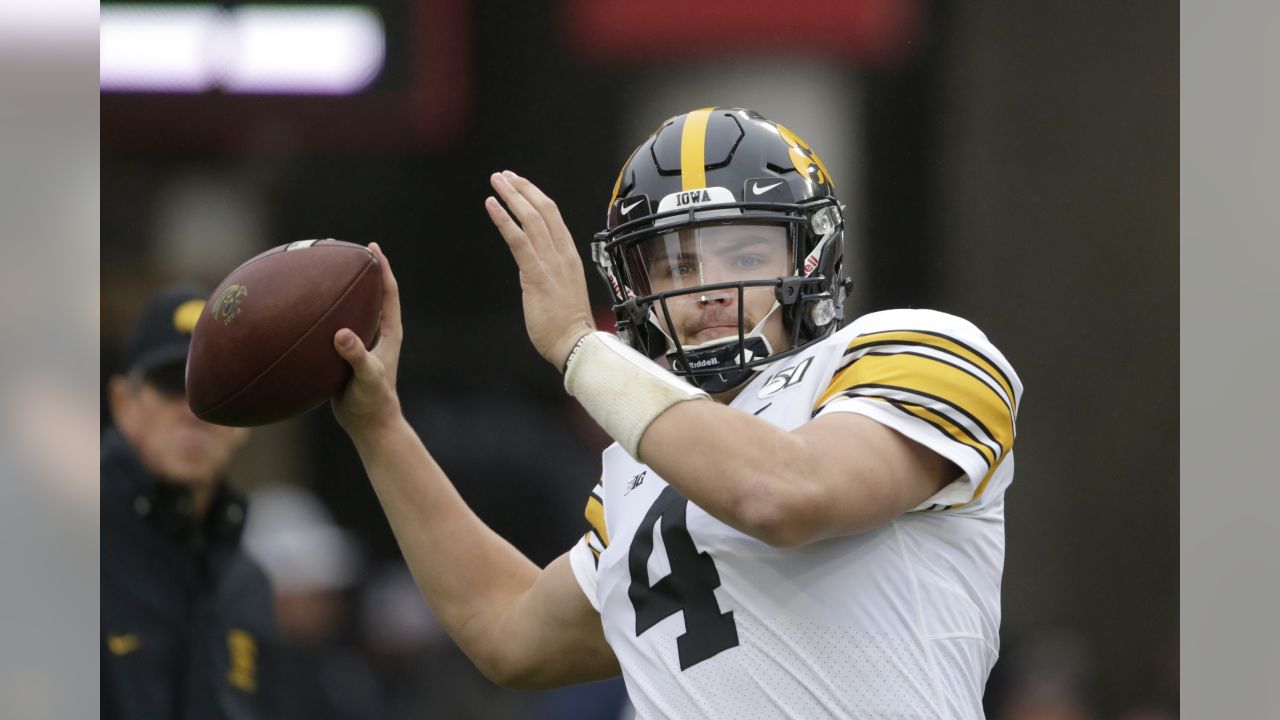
x=936, y=379
x=584, y=557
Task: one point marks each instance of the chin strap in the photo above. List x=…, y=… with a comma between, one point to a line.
x=621, y=389
x=724, y=353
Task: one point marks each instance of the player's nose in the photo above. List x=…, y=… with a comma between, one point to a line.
x=717, y=297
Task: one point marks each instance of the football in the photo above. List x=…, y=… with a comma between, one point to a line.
x=262, y=350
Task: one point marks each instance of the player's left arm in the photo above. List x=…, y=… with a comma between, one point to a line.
x=836, y=475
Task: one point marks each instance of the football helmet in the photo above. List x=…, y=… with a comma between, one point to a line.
x=731, y=215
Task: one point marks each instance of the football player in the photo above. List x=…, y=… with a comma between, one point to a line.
x=802, y=517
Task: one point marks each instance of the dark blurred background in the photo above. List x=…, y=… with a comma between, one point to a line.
x=1013, y=163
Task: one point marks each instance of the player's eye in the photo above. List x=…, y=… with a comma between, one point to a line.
x=748, y=262
x=675, y=269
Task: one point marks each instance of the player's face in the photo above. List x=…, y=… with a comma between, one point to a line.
x=717, y=254
x=171, y=441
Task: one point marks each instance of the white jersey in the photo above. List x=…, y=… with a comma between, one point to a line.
x=898, y=622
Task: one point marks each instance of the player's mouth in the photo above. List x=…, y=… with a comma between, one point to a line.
x=713, y=331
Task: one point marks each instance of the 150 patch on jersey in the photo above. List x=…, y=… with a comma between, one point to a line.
x=785, y=378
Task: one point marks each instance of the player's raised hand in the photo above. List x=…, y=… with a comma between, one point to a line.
x=556, y=309
x=370, y=399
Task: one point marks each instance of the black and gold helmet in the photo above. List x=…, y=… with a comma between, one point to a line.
x=703, y=176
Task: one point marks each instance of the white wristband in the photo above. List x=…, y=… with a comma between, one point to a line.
x=621, y=389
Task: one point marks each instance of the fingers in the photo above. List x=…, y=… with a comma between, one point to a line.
x=390, y=324
x=511, y=232
x=350, y=347
x=537, y=213
x=545, y=206
x=369, y=397
x=530, y=217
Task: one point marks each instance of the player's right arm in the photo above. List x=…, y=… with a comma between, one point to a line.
x=522, y=626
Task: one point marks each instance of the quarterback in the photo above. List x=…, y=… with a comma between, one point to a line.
x=802, y=516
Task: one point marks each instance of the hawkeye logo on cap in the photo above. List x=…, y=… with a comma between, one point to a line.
x=243, y=649
x=227, y=306
x=186, y=315
x=123, y=644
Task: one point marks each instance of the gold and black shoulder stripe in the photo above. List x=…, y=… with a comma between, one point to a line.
x=597, y=536
x=959, y=391
x=939, y=346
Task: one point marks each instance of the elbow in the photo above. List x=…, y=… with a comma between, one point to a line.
x=781, y=534
x=497, y=673
x=512, y=681
x=494, y=669
x=524, y=671
x=780, y=538
x=782, y=518
x=506, y=672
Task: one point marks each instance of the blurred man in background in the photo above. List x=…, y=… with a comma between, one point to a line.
x=188, y=628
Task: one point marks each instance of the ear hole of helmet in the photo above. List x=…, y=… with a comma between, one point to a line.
x=820, y=311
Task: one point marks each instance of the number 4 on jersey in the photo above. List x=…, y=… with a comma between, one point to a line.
x=688, y=588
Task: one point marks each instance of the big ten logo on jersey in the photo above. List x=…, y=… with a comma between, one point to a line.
x=635, y=482
x=785, y=378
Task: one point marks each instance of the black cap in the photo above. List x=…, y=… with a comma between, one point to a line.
x=157, y=347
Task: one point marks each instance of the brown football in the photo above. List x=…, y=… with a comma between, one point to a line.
x=262, y=350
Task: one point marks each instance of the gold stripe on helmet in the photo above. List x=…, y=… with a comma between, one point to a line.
x=693, y=149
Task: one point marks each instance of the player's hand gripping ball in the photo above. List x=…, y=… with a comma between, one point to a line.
x=263, y=351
